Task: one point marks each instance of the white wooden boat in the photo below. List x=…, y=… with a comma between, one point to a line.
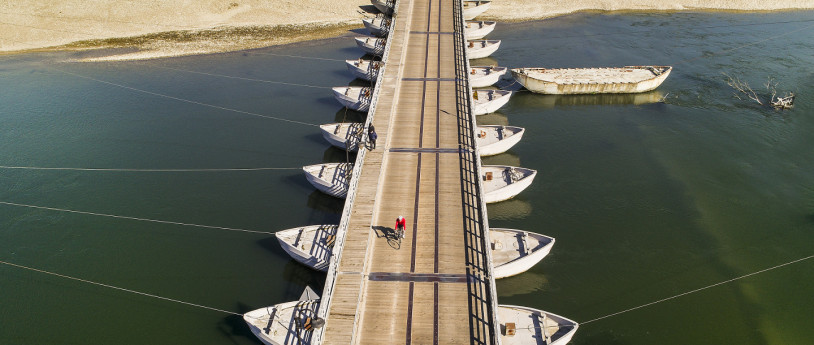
x=384, y=6
x=354, y=97
x=567, y=81
x=515, y=251
x=524, y=326
x=493, y=140
x=378, y=26
x=330, y=178
x=483, y=76
x=371, y=45
x=309, y=245
x=478, y=49
x=489, y=101
x=365, y=69
x=346, y=136
x=473, y=9
x=477, y=29
x=503, y=182
x=285, y=323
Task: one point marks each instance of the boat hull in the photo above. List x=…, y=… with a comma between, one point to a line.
x=281, y=323
x=529, y=319
x=482, y=52
x=366, y=71
x=371, y=45
x=471, y=32
x=309, y=245
x=523, y=262
x=500, y=146
x=382, y=6
x=510, y=190
x=341, y=142
x=492, y=105
x=544, y=86
x=375, y=27
x=470, y=12
x=352, y=99
x=484, y=80
x=337, y=189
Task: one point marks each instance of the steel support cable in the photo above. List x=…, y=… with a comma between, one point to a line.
x=186, y=100
x=700, y=289
x=134, y=218
x=242, y=78
x=117, y=288
x=143, y=170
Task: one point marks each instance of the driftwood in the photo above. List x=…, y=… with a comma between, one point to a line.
x=743, y=89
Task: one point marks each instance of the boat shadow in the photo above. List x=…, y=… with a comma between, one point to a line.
x=530, y=99
x=347, y=115
x=370, y=9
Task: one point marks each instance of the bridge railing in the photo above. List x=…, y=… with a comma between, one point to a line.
x=483, y=322
x=342, y=230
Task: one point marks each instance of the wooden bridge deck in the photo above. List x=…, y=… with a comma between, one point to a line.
x=418, y=290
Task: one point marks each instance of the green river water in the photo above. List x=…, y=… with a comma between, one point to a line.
x=646, y=200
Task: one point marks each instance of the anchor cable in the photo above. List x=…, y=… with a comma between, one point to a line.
x=134, y=218
x=187, y=100
x=700, y=289
x=142, y=170
x=243, y=78
x=118, y=288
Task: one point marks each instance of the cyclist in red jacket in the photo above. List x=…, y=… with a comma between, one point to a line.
x=401, y=225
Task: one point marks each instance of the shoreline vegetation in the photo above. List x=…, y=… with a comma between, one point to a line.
x=137, y=30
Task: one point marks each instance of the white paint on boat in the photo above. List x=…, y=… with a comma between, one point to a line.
x=378, y=26
x=477, y=29
x=346, y=136
x=371, y=45
x=365, y=69
x=383, y=6
x=503, y=182
x=566, y=81
x=284, y=323
x=495, y=139
x=477, y=49
x=483, y=76
x=534, y=326
x=516, y=251
x=354, y=97
x=309, y=245
x=473, y=9
x=330, y=178
x=489, y=101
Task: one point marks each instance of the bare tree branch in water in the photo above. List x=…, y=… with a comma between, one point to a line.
x=743, y=88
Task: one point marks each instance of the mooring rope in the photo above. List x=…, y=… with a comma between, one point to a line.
x=699, y=289
x=744, y=45
x=243, y=78
x=144, y=170
x=134, y=218
x=117, y=288
x=295, y=56
x=187, y=100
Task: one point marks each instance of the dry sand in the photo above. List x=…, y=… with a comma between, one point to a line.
x=160, y=28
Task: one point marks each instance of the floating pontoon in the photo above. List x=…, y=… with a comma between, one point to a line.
x=365, y=69
x=285, y=323
x=477, y=29
x=523, y=326
x=489, y=101
x=473, y=9
x=309, y=245
x=568, y=81
x=515, y=251
x=371, y=45
x=483, y=76
x=494, y=139
x=330, y=178
x=502, y=182
x=354, y=97
x=477, y=49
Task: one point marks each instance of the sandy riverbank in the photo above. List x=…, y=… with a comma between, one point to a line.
x=158, y=28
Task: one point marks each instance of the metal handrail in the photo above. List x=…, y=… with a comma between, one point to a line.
x=341, y=232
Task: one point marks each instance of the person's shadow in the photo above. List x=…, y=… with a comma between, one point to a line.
x=393, y=239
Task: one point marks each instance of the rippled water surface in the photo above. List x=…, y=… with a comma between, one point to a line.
x=647, y=199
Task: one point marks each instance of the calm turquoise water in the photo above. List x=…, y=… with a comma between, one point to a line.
x=646, y=200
